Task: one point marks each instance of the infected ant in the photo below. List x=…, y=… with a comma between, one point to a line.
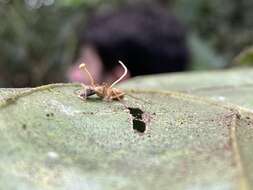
x=108, y=93
x=104, y=91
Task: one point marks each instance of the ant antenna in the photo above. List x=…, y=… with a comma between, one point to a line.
x=84, y=68
x=122, y=76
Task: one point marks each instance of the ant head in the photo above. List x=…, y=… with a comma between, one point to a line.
x=85, y=70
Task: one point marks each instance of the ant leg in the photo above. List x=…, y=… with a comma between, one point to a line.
x=118, y=97
x=110, y=95
x=107, y=98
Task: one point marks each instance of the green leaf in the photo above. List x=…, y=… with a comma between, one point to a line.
x=245, y=57
x=51, y=139
x=232, y=89
x=76, y=3
x=234, y=86
x=203, y=57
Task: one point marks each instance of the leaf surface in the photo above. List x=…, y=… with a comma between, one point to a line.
x=51, y=139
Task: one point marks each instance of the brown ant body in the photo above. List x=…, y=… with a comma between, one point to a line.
x=104, y=91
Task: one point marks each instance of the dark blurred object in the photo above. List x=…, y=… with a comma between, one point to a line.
x=37, y=38
x=144, y=36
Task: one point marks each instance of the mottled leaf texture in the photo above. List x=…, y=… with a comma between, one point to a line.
x=180, y=131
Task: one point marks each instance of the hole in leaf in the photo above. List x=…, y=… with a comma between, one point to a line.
x=136, y=112
x=138, y=124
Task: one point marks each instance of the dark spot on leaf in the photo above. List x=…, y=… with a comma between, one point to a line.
x=10, y=100
x=24, y=126
x=88, y=113
x=50, y=114
x=138, y=124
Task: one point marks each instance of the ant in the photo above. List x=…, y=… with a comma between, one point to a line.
x=104, y=91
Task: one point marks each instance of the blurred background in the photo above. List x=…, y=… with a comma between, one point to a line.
x=39, y=38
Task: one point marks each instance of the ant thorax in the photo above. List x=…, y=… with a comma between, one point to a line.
x=101, y=90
